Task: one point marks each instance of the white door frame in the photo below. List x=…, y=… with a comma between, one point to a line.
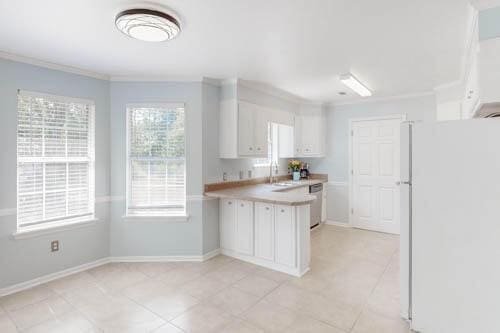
x=401, y=117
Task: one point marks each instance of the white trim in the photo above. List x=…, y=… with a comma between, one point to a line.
x=211, y=254
x=265, y=263
x=158, y=78
x=157, y=218
x=271, y=91
x=198, y=197
x=173, y=105
x=108, y=198
x=402, y=117
x=189, y=258
x=338, y=224
x=52, y=276
x=80, y=268
x=337, y=183
x=54, y=66
x=7, y=211
x=47, y=230
x=128, y=110
x=66, y=99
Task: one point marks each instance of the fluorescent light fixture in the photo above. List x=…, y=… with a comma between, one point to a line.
x=353, y=83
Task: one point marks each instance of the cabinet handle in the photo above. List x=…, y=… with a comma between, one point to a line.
x=230, y=203
x=282, y=210
x=258, y=148
x=267, y=208
x=250, y=148
x=242, y=205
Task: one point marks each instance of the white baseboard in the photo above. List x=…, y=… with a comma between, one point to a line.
x=77, y=269
x=338, y=224
x=211, y=254
x=193, y=258
x=50, y=277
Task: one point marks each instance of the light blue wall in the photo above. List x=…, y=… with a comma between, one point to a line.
x=147, y=237
x=22, y=260
x=489, y=23
x=336, y=162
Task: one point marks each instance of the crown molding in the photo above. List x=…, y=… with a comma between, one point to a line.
x=51, y=65
x=155, y=78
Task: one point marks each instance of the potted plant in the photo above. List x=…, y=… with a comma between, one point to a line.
x=294, y=166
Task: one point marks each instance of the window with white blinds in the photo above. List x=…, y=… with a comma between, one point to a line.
x=55, y=160
x=156, y=170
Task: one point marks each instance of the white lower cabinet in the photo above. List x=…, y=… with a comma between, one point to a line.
x=227, y=225
x=284, y=225
x=244, y=227
x=273, y=236
x=264, y=231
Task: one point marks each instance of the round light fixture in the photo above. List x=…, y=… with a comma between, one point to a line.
x=147, y=25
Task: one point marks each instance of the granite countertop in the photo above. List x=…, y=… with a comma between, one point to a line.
x=274, y=194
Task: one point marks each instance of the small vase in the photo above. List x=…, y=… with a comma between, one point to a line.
x=296, y=175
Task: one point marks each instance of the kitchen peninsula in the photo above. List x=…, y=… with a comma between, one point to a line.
x=266, y=224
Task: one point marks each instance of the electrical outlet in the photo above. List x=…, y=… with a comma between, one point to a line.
x=54, y=246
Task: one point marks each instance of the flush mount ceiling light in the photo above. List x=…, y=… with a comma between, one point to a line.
x=353, y=83
x=147, y=25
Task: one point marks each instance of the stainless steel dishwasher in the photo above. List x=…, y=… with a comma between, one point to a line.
x=317, y=191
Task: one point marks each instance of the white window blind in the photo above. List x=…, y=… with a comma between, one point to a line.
x=156, y=169
x=55, y=160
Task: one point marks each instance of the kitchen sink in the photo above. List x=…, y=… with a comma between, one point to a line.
x=283, y=184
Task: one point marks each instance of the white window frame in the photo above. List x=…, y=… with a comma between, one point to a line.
x=43, y=226
x=272, y=148
x=177, y=217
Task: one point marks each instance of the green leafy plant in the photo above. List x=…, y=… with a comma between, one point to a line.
x=294, y=165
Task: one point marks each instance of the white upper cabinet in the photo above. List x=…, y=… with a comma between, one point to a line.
x=310, y=135
x=260, y=131
x=246, y=122
x=286, y=141
x=243, y=130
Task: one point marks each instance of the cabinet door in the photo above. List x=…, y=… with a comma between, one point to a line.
x=285, y=141
x=244, y=227
x=227, y=224
x=298, y=136
x=310, y=134
x=285, y=243
x=264, y=231
x=261, y=132
x=246, y=120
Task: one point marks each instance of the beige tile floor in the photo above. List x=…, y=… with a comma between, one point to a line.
x=353, y=286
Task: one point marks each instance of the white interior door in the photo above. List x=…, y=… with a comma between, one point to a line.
x=375, y=169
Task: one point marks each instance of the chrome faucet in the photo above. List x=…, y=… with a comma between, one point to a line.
x=271, y=177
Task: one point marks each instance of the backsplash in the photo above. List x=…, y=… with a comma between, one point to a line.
x=232, y=168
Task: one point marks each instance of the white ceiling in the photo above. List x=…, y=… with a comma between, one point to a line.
x=395, y=47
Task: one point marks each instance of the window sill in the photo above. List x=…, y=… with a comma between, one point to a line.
x=31, y=233
x=157, y=218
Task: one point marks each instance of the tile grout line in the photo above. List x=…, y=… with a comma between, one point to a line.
x=373, y=289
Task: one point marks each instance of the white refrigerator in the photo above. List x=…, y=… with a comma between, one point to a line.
x=450, y=226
